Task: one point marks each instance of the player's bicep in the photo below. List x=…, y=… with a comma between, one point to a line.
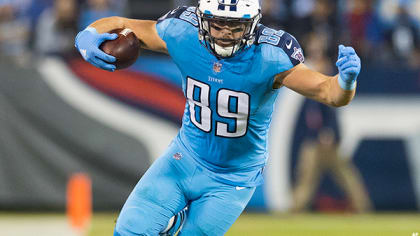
x=148, y=35
x=303, y=80
x=293, y=78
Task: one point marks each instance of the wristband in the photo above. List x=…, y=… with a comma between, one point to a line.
x=346, y=85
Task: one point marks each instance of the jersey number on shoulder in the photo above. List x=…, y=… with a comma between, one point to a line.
x=201, y=114
x=270, y=36
x=189, y=16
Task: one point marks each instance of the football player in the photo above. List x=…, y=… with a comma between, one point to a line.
x=232, y=68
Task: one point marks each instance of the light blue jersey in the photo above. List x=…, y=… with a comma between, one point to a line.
x=216, y=161
x=229, y=101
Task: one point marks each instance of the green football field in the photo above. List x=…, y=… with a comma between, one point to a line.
x=395, y=224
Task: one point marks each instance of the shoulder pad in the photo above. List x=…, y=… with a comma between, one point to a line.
x=283, y=40
x=184, y=13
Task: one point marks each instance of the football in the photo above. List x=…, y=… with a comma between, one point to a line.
x=126, y=48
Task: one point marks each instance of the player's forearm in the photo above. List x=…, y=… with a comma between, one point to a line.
x=145, y=31
x=335, y=95
x=107, y=24
x=317, y=86
x=327, y=89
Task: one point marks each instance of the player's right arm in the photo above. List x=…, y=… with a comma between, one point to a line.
x=89, y=40
x=145, y=30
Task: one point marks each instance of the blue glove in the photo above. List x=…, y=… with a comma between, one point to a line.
x=88, y=42
x=349, y=65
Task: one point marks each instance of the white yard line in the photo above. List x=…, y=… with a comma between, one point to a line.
x=50, y=225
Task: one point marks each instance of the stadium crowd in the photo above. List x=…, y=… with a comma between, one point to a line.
x=41, y=27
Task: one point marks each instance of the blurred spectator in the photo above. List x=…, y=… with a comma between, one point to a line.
x=275, y=14
x=303, y=8
x=33, y=13
x=97, y=9
x=56, y=28
x=319, y=154
x=404, y=38
x=316, y=53
x=390, y=27
x=321, y=20
x=363, y=28
x=20, y=6
x=388, y=11
x=319, y=150
x=413, y=9
x=14, y=30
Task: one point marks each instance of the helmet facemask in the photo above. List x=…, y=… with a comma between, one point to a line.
x=225, y=36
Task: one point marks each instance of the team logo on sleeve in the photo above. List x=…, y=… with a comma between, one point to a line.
x=217, y=67
x=298, y=54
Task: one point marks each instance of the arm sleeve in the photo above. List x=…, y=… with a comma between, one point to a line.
x=292, y=48
x=162, y=27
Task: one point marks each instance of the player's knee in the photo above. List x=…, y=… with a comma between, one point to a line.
x=135, y=222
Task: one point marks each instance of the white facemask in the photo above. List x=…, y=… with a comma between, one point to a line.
x=225, y=51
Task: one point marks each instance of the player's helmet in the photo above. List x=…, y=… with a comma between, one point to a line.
x=245, y=13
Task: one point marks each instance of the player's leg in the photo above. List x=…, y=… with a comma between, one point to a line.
x=309, y=170
x=348, y=177
x=215, y=211
x=156, y=198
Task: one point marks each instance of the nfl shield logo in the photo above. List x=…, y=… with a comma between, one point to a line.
x=217, y=67
x=298, y=54
x=177, y=156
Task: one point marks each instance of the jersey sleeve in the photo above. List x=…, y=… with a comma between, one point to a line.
x=166, y=22
x=293, y=49
x=284, y=49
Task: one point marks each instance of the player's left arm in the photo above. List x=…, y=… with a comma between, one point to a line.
x=336, y=90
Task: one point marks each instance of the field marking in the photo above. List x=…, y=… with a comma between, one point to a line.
x=24, y=225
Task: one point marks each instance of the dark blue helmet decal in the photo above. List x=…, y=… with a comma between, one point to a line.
x=232, y=5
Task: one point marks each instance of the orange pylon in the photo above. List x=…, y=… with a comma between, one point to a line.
x=79, y=201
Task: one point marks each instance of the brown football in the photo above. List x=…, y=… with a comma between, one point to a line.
x=126, y=48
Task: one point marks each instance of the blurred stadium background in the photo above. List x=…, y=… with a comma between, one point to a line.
x=60, y=116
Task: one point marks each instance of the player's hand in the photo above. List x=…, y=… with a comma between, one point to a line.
x=349, y=66
x=88, y=42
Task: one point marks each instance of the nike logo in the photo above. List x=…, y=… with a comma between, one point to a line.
x=289, y=46
x=239, y=188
